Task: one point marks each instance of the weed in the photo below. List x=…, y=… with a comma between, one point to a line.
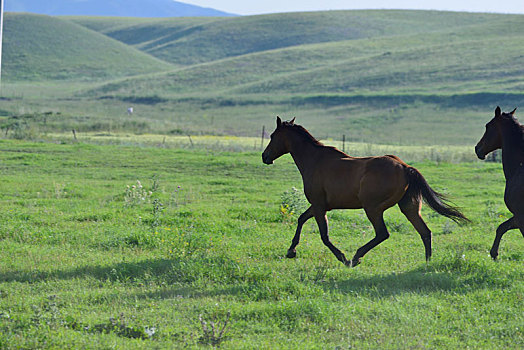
x=448, y=227
x=493, y=210
x=60, y=191
x=136, y=195
x=158, y=209
x=118, y=326
x=320, y=273
x=155, y=186
x=213, y=331
x=188, y=242
x=176, y=196
x=47, y=313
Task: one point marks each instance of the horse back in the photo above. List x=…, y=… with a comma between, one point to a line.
x=354, y=182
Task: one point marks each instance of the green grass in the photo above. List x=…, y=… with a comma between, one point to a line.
x=85, y=265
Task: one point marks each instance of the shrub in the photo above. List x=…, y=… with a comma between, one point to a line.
x=292, y=201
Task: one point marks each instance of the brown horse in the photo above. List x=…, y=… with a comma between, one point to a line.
x=504, y=131
x=334, y=180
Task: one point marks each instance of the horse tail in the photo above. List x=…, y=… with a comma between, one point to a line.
x=418, y=187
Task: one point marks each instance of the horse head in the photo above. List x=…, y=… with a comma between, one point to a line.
x=492, y=138
x=279, y=144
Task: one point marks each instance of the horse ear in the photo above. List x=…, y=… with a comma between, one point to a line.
x=292, y=121
x=497, y=112
x=513, y=111
x=279, y=122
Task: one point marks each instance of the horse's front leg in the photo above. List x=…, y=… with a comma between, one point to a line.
x=321, y=218
x=308, y=214
x=507, y=225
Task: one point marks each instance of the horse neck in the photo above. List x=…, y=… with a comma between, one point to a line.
x=512, y=150
x=304, y=152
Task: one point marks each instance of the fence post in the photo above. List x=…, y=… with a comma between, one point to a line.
x=263, y=133
x=74, y=136
x=344, y=143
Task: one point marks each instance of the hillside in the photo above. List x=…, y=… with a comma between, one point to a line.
x=192, y=42
x=403, y=77
x=38, y=47
x=123, y=8
x=422, y=63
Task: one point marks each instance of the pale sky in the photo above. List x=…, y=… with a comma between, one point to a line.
x=249, y=7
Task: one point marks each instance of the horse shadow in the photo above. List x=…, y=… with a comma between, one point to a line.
x=123, y=271
x=457, y=277
x=176, y=274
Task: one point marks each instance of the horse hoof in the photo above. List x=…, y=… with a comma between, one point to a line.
x=493, y=256
x=352, y=263
x=291, y=254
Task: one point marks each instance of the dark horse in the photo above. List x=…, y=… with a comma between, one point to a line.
x=504, y=131
x=334, y=180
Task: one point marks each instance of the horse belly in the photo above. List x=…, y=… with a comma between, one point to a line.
x=342, y=195
x=344, y=203
x=514, y=194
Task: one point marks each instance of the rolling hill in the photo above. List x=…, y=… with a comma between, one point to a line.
x=412, y=72
x=38, y=47
x=123, y=8
x=480, y=53
x=196, y=41
x=419, y=63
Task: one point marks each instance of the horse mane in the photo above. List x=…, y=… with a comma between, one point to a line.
x=304, y=134
x=300, y=130
x=515, y=123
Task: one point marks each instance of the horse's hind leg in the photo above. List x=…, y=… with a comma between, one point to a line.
x=501, y=230
x=381, y=234
x=410, y=207
x=308, y=214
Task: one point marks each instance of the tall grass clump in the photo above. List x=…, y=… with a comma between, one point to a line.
x=292, y=203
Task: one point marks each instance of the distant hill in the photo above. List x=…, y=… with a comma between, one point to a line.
x=327, y=52
x=407, y=73
x=118, y=8
x=192, y=41
x=38, y=47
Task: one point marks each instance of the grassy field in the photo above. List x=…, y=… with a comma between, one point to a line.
x=163, y=229
x=92, y=259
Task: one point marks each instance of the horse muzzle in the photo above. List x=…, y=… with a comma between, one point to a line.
x=266, y=159
x=481, y=155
